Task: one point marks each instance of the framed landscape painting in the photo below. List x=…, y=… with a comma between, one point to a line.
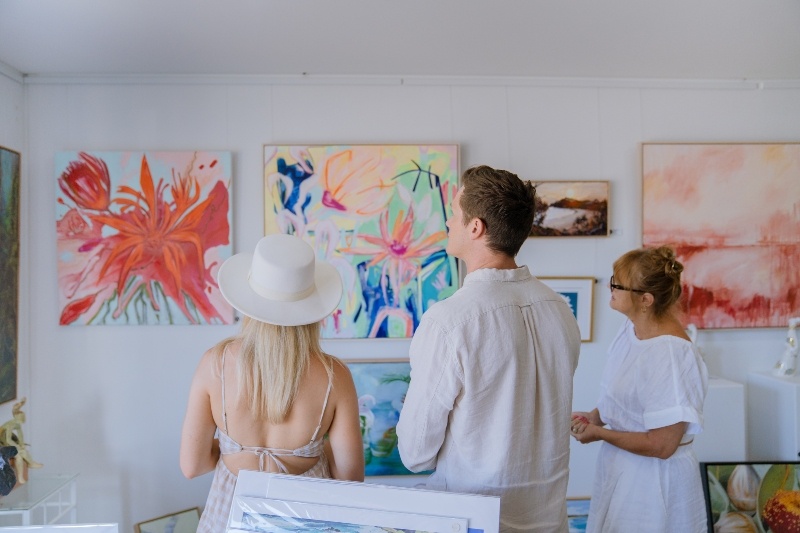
x=752, y=496
x=378, y=214
x=571, y=209
x=579, y=295
x=180, y=522
x=140, y=236
x=9, y=271
x=381, y=386
x=731, y=213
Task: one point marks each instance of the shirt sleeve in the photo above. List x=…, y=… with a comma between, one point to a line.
x=673, y=387
x=436, y=382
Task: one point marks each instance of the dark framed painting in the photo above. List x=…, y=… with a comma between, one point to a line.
x=9, y=271
x=378, y=213
x=752, y=496
x=730, y=212
x=571, y=209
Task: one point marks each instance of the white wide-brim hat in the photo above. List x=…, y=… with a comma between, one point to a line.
x=281, y=283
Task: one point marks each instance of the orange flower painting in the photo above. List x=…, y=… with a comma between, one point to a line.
x=140, y=236
x=377, y=213
x=732, y=212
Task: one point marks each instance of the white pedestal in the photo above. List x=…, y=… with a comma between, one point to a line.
x=724, y=436
x=773, y=417
x=44, y=499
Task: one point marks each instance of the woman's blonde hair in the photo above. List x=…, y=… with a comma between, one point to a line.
x=272, y=360
x=653, y=270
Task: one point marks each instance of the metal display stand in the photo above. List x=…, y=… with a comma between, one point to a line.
x=44, y=499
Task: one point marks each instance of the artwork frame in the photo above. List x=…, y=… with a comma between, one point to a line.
x=577, y=513
x=575, y=208
x=10, y=174
x=482, y=511
x=381, y=386
x=140, y=236
x=763, y=478
x=378, y=213
x=268, y=515
x=578, y=292
x=729, y=211
x=64, y=528
x=184, y=521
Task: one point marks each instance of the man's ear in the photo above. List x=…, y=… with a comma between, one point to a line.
x=477, y=228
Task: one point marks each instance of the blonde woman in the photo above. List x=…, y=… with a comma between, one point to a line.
x=650, y=407
x=266, y=398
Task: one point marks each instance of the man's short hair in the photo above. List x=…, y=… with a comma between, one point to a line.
x=504, y=203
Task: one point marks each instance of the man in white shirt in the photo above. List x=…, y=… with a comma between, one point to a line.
x=490, y=398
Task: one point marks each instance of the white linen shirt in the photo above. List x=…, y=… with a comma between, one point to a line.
x=490, y=397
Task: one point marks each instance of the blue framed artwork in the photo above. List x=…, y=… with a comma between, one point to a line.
x=9, y=271
x=381, y=386
x=579, y=295
x=577, y=514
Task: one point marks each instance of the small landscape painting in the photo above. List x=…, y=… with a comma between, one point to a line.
x=571, y=209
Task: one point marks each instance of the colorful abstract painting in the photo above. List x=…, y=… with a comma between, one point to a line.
x=140, y=237
x=571, y=209
x=9, y=271
x=378, y=214
x=732, y=213
x=381, y=387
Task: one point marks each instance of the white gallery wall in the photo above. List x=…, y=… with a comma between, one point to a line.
x=108, y=402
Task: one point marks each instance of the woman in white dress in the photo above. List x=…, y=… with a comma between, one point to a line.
x=650, y=407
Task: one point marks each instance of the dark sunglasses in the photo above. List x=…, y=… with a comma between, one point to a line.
x=616, y=287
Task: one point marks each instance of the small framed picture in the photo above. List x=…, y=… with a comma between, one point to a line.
x=571, y=209
x=577, y=513
x=579, y=295
x=180, y=522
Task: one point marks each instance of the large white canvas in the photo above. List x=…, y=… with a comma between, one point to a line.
x=266, y=514
x=482, y=512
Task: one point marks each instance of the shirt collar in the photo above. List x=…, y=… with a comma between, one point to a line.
x=498, y=274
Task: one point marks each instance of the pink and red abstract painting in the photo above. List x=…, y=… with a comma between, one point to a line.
x=140, y=237
x=732, y=212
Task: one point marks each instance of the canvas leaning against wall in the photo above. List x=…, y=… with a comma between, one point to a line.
x=9, y=271
x=378, y=214
x=140, y=236
x=732, y=213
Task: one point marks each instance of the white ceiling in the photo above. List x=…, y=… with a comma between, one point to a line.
x=684, y=39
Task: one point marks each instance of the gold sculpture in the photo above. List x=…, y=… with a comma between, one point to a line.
x=11, y=435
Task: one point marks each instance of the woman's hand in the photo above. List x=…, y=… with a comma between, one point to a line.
x=584, y=425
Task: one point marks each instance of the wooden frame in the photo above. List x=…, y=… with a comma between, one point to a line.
x=9, y=271
x=571, y=209
x=751, y=494
x=185, y=521
x=378, y=213
x=730, y=212
x=578, y=292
